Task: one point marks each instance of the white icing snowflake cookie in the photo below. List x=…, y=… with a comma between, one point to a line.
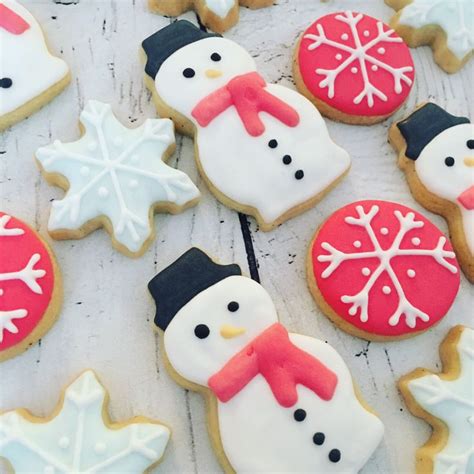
x=446, y=25
x=30, y=76
x=218, y=15
x=446, y=402
x=115, y=177
x=79, y=436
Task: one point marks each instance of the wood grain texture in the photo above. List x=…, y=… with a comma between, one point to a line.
x=106, y=319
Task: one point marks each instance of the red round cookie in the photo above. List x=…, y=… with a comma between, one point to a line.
x=356, y=64
x=30, y=290
x=383, y=270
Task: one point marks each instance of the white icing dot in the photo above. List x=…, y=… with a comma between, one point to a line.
x=134, y=157
x=375, y=67
x=344, y=36
x=85, y=170
x=1, y=292
x=103, y=192
x=118, y=141
x=411, y=273
x=100, y=447
x=387, y=290
x=381, y=50
x=338, y=56
x=357, y=244
x=384, y=231
x=366, y=33
x=48, y=470
x=366, y=271
x=92, y=146
x=354, y=70
x=132, y=184
x=63, y=442
x=416, y=241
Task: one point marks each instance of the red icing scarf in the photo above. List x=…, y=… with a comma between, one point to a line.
x=11, y=21
x=248, y=95
x=281, y=363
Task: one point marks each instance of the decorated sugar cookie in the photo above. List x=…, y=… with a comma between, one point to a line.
x=374, y=266
x=263, y=149
x=353, y=67
x=218, y=15
x=80, y=437
x=436, y=151
x=445, y=25
x=30, y=76
x=277, y=401
x=446, y=402
x=30, y=287
x=115, y=177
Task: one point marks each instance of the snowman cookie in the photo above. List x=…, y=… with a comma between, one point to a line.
x=30, y=76
x=218, y=15
x=263, y=149
x=445, y=401
x=436, y=152
x=374, y=266
x=353, y=67
x=30, y=287
x=277, y=401
x=445, y=25
x=79, y=436
x=115, y=178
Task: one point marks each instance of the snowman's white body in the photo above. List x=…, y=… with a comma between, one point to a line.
x=258, y=434
x=242, y=167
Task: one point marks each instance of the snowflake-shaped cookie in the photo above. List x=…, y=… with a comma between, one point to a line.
x=446, y=400
x=115, y=176
x=79, y=438
x=377, y=265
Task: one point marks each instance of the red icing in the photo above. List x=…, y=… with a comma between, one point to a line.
x=15, y=253
x=350, y=82
x=281, y=363
x=248, y=95
x=431, y=288
x=467, y=198
x=11, y=21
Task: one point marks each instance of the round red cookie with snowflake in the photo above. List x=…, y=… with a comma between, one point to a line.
x=30, y=287
x=355, y=68
x=375, y=267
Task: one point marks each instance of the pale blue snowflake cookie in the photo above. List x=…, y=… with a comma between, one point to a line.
x=79, y=436
x=115, y=177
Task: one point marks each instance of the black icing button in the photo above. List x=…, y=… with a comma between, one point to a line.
x=299, y=174
x=299, y=414
x=272, y=143
x=470, y=144
x=5, y=82
x=286, y=160
x=334, y=455
x=319, y=438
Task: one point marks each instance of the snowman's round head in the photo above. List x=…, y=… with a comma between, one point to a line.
x=200, y=64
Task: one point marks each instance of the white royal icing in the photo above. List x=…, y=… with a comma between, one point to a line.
x=455, y=17
x=77, y=440
x=26, y=60
x=28, y=275
x=452, y=401
x=450, y=182
x=361, y=300
x=220, y=7
x=238, y=165
x=116, y=172
x=363, y=54
x=258, y=434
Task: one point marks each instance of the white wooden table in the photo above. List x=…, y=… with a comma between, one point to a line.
x=106, y=320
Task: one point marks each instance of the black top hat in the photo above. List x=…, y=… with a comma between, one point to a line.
x=179, y=283
x=162, y=44
x=423, y=125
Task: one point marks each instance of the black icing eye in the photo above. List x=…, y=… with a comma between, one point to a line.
x=449, y=161
x=334, y=455
x=189, y=72
x=201, y=331
x=470, y=144
x=233, y=306
x=216, y=57
x=299, y=414
x=319, y=438
x=5, y=82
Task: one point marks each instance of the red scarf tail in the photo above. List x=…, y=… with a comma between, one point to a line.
x=11, y=21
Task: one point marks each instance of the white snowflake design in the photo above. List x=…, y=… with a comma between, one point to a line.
x=116, y=172
x=28, y=275
x=360, y=301
x=452, y=401
x=361, y=54
x=76, y=440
